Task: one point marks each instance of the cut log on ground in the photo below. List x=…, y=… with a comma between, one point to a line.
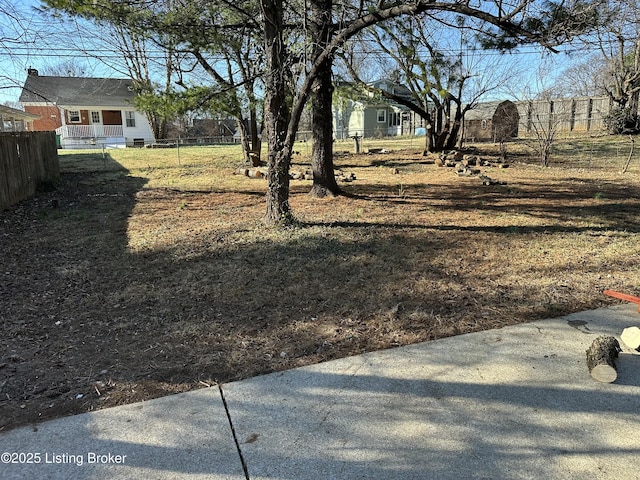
x=600, y=359
x=631, y=337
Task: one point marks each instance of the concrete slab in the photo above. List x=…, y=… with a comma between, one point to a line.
x=513, y=403
x=185, y=436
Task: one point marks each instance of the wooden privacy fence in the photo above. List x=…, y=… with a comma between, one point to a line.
x=26, y=160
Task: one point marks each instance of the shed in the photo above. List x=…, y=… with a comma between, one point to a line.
x=492, y=121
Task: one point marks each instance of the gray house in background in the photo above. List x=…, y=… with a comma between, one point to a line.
x=371, y=115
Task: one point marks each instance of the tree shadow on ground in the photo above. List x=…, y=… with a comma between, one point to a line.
x=604, y=205
x=94, y=319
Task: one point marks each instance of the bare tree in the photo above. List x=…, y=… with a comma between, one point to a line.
x=545, y=118
x=19, y=33
x=66, y=68
x=543, y=115
x=584, y=78
x=520, y=23
x=618, y=40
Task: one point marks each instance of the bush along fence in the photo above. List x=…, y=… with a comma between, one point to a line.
x=27, y=159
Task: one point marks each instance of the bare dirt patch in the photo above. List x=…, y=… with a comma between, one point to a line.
x=114, y=289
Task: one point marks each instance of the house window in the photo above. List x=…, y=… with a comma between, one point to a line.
x=484, y=124
x=74, y=116
x=95, y=117
x=394, y=119
x=130, y=118
x=382, y=116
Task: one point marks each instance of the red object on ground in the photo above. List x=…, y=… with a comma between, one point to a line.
x=623, y=296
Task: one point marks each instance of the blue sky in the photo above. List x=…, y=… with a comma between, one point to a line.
x=36, y=49
x=33, y=49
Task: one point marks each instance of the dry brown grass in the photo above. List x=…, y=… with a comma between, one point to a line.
x=153, y=277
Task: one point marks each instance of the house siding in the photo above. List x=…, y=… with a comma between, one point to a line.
x=140, y=131
x=111, y=131
x=478, y=130
x=49, y=117
x=372, y=127
x=363, y=120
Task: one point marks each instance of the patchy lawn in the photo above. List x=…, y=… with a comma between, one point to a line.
x=140, y=277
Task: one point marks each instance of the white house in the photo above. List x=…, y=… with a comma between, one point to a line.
x=86, y=112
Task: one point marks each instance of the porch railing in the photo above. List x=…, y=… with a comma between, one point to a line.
x=89, y=131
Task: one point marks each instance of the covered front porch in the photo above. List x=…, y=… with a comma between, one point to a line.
x=88, y=136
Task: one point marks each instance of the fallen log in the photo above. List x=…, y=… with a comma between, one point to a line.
x=600, y=359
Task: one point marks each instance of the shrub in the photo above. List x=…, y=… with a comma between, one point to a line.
x=621, y=120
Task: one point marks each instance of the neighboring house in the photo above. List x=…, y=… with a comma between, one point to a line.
x=12, y=120
x=86, y=112
x=372, y=115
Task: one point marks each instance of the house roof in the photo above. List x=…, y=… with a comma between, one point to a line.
x=13, y=114
x=74, y=91
x=484, y=111
x=393, y=87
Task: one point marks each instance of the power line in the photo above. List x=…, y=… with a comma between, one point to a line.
x=159, y=55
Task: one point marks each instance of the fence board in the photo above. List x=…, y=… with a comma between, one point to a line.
x=26, y=160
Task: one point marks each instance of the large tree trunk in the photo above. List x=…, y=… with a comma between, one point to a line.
x=454, y=133
x=256, y=144
x=324, y=180
x=244, y=142
x=278, y=209
x=276, y=116
x=428, y=139
x=633, y=122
